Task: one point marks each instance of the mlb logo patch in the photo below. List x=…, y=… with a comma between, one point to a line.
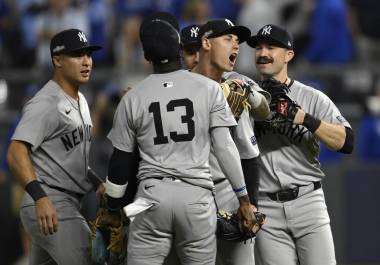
x=253, y=140
x=168, y=84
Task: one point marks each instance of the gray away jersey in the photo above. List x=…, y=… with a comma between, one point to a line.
x=168, y=117
x=253, y=84
x=290, y=153
x=59, y=131
x=242, y=134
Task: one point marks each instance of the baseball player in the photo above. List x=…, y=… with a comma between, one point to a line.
x=49, y=156
x=220, y=41
x=173, y=117
x=290, y=191
x=190, y=41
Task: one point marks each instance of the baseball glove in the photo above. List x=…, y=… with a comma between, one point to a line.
x=109, y=235
x=236, y=92
x=283, y=108
x=228, y=226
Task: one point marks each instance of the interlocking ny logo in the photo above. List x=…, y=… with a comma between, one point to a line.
x=229, y=22
x=82, y=37
x=194, y=32
x=266, y=30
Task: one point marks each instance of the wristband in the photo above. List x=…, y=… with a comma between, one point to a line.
x=114, y=190
x=241, y=191
x=34, y=189
x=311, y=123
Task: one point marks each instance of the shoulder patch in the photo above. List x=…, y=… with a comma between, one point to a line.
x=253, y=140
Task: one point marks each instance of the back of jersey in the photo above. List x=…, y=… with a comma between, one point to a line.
x=169, y=116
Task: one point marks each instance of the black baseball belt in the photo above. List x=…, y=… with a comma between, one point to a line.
x=294, y=193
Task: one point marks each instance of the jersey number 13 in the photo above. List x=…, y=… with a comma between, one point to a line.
x=154, y=108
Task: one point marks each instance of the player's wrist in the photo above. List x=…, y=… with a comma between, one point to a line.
x=34, y=189
x=115, y=190
x=244, y=200
x=311, y=123
x=255, y=99
x=241, y=192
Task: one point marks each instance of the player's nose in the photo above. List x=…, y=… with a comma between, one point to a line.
x=86, y=59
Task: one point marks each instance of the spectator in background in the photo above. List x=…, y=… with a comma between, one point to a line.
x=226, y=9
x=28, y=11
x=4, y=21
x=15, y=243
x=254, y=14
x=172, y=6
x=330, y=36
x=10, y=37
x=101, y=24
x=61, y=15
x=195, y=12
x=127, y=47
x=369, y=128
x=366, y=28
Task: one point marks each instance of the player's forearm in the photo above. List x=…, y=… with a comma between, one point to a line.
x=229, y=160
x=122, y=167
x=251, y=177
x=259, y=106
x=22, y=168
x=19, y=162
x=334, y=136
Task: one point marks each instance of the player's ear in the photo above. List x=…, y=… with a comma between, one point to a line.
x=56, y=60
x=206, y=44
x=289, y=55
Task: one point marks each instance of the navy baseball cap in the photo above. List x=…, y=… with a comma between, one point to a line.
x=70, y=40
x=219, y=27
x=190, y=35
x=160, y=38
x=272, y=33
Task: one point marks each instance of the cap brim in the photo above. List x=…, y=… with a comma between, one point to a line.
x=254, y=40
x=189, y=43
x=241, y=32
x=87, y=48
x=195, y=46
x=90, y=48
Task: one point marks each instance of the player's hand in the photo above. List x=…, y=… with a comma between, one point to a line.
x=46, y=216
x=100, y=191
x=245, y=214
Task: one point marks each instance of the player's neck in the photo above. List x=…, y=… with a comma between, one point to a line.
x=168, y=67
x=209, y=71
x=69, y=88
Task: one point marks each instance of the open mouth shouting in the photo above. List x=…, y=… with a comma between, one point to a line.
x=233, y=58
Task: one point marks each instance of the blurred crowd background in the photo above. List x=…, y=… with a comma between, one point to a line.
x=337, y=46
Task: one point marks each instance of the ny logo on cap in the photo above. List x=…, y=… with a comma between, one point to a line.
x=82, y=37
x=229, y=23
x=194, y=32
x=266, y=30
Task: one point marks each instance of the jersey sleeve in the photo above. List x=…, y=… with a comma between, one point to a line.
x=220, y=112
x=244, y=138
x=249, y=81
x=122, y=134
x=38, y=122
x=326, y=110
